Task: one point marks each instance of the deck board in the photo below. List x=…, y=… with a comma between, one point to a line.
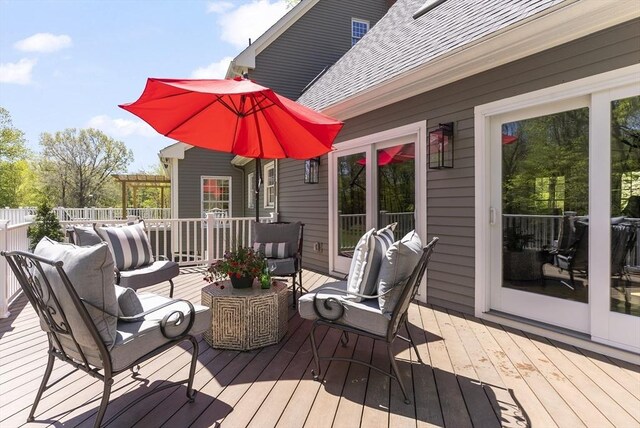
x=475, y=373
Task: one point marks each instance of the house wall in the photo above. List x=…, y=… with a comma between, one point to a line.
x=199, y=162
x=317, y=40
x=450, y=193
x=250, y=212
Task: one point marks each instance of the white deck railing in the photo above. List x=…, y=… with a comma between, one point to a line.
x=20, y=215
x=12, y=238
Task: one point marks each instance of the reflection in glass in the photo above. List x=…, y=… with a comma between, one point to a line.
x=625, y=205
x=352, y=202
x=396, y=188
x=545, y=195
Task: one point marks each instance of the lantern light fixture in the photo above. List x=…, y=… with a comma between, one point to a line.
x=441, y=147
x=312, y=171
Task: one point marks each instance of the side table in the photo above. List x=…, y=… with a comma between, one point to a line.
x=245, y=319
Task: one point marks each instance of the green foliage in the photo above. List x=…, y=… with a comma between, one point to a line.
x=240, y=263
x=12, y=152
x=46, y=224
x=76, y=165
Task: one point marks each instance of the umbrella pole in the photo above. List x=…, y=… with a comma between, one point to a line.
x=257, y=188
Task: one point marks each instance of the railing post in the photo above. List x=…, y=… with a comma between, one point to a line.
x=4, y=271
x=210, y=242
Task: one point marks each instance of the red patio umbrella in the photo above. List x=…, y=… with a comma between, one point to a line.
x=235, y=116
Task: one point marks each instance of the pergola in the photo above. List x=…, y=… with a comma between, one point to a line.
x=135, y=181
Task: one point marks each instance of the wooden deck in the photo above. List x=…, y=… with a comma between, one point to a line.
x=476, y=374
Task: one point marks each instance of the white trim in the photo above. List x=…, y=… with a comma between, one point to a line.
x=359, y=21
x=217, y=177
x=265, y=176
x=240, y=160
x=175, y=196
x=175, y=150
x=556, y=26
x=251, y=184
x=247, y=58
x=417, y=132
x=589, y=90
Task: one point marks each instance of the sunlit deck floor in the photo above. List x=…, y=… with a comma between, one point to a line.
x=476, y=374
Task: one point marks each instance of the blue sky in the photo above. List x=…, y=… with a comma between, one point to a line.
x=69, y=63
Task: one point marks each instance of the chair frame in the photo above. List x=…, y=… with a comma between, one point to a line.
x=398, y=319
x=24, y=265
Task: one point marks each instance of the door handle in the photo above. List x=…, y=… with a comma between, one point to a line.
x=492, y=216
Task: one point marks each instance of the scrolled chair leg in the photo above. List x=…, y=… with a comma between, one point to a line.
x=43, y=387
x=191, y=393
x=312, y=336
x=396, y=372
x=135, y=371
x=413, y=342
x=171, y=289
x=104, y=402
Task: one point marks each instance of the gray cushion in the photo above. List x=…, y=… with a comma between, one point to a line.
x=129, y=245
x=90, y=270
x=135, y=339
x=362, y=255
x=128, y=302
x=276, y=250
x=363, y=315
x=382, y=240
x=155, y=273
x=86, y=235
x=282, y=266
x=397, y=265
x=274, y=232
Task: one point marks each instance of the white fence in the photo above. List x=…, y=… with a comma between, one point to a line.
x=12, y=238
x=21, y=215
x=17, y=215
x=190, y=242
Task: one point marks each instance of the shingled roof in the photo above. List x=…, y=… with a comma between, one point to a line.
x=398, y=43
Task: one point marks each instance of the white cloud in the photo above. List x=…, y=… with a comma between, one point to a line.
x=215, y=70
x=43, y=42
x=121, y=127
x=250, y=21
x=17, y=72
x=219, y=6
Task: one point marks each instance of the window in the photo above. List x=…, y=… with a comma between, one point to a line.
x=269, y=185
x=216, y=195
x=358, y=29
x=251, y=190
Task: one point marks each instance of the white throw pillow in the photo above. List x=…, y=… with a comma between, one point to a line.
x=361, y=256
x=363, y=274
x=396, y=267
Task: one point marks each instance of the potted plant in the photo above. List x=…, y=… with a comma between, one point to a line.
x=241, y=266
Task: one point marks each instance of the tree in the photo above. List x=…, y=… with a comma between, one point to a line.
x=46, y=224
x=12, y=151
x=76, y=164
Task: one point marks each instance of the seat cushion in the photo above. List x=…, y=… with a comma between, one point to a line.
x=86, y=235
x=282, y=266
x=129, y=245
x=90, y=270
x=365, y=315
x=279, y=232
x=136, y=339
x=155, y=273
x=397, y=265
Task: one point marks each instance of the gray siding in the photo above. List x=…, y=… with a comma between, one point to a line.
x=317, y=40
x=450, y=193
x=199, y=162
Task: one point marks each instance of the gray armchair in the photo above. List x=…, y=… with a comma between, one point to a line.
x=333, y=306
x=71, y=289
x=288, y=261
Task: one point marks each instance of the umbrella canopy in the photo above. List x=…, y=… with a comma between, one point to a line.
x=235, y=116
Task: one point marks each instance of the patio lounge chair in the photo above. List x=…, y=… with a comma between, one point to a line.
x=334, y=307
x=281, y=243
x=71, y=290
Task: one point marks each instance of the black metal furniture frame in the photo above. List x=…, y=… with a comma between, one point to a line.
x=398, y=319
x=41, y=296
x=297, y=275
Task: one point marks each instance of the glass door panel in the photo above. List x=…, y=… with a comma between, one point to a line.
x=396, y=187
x=351, y=202
x=545, y=196
x=625, y=206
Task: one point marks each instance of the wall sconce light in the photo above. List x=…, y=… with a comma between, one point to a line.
x=312, y=171
x=441, y=147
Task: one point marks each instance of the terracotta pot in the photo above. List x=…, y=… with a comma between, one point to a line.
x=242, y=282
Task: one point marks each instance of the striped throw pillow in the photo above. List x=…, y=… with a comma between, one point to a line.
x=365, y=266
x=129, y=245
x=272, y=250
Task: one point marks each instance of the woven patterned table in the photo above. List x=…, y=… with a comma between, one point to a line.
x=245, y=319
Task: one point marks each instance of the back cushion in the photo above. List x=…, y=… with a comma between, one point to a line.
x=278, y=232
x=396, y=267
x=365, y=265
x=90, y=270
x=129, y=245
x=86, y=235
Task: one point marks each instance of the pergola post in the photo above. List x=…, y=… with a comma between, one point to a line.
x=124, y=199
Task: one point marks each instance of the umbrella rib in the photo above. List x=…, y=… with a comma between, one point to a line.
x=189, y=118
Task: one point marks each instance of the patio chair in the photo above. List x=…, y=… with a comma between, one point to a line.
x=572, y=254
x=122, y=242
x=71, y=290
x=333, y=306
x=281, y=243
